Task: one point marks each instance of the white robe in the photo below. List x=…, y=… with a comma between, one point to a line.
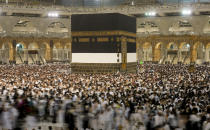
x=6, y=120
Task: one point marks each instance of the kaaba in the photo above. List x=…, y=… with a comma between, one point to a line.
x=97, y=38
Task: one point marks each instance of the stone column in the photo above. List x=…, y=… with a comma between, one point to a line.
x=163, y=51
x=179, y=54
x=153, y=52
x=124, y=53
x=63, y=51
x=69, y=53
x=193, y=53
x=13, y=58
x=51, y=50
x=139, y=52
x=47, y=54
x=207, y=50
x=26, y=54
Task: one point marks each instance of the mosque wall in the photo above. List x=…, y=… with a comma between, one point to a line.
x=173, y=49
x=49, y=36
x=152, y=43
x=170, y=25
x=155, y=35
x=40, y=25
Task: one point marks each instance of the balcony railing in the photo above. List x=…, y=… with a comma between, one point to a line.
x=100, y=3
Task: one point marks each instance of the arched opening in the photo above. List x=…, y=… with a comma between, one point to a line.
x=207, y=54
x=60, y=52
x=184, y=53
x=172, y=53
x=147, y=51
x=159, y=53
x=5, y=53
x=198, y=52
x=57, y=51
x=67, y=52
x=45, y=51
x=20, y=49
x=33, y=53
x=33, y=46
x=172, y=46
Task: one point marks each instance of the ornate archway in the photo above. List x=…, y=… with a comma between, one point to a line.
x=147, y=51
x=33, y=46
x=32, y=53
x=67, y=52
x=158, y=51
x=5, y=52
x=184, y=52
x=172, y=46
x=57, y=51
x=172, y=53
x=45, y=51
x=198, y=53
x=20, y=48
x=207, y=54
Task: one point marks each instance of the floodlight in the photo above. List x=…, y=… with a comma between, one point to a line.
x=18, y=45
x=152, y=13
x=53, y=14
x=186, y=12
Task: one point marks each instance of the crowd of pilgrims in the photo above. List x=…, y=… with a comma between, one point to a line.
x=166, y=97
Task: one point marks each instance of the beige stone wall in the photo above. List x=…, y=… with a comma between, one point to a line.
x=161, y=44
x=35, y=43
x=34, y=26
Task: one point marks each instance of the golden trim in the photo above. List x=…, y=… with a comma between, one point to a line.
x=84, y=39
x=102, y=33
x=131, y=40
x=35, y=39
x=104, y=39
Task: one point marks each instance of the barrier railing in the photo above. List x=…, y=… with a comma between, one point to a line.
x=100, y=3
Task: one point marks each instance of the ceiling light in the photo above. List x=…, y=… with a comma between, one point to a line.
x=186, y=12
x=53, y=14
x=152, y=13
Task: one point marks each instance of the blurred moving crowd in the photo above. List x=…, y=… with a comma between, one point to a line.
x=166, y=97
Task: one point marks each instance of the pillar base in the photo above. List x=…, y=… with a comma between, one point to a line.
x=38, y=62
x=26, y=62
x=49, y=61
x=12, y=62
